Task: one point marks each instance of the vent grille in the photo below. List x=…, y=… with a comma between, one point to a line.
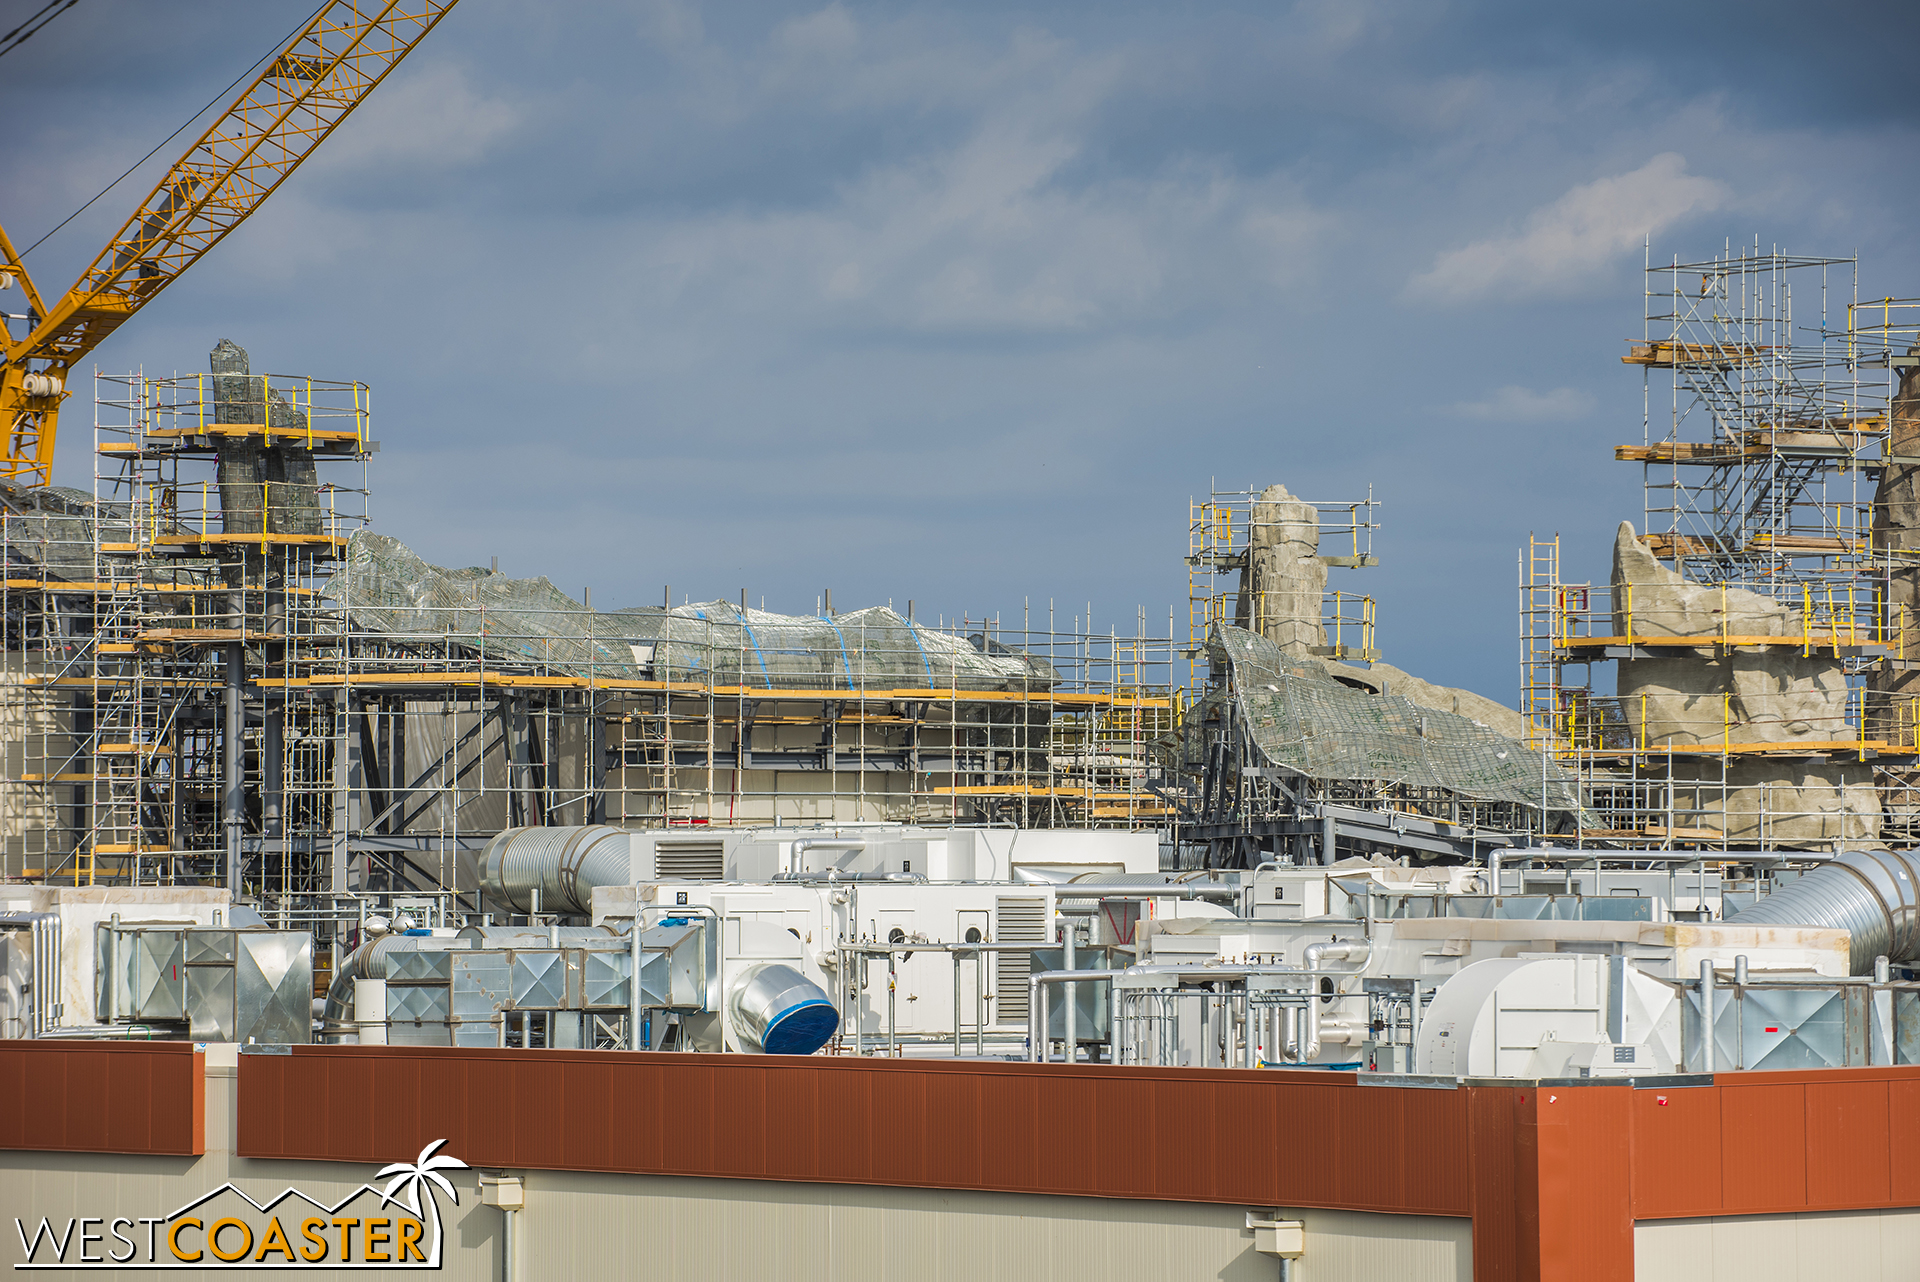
x=1018, y=921
x=689, y=860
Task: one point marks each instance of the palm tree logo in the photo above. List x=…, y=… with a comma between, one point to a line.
x=411, y=1178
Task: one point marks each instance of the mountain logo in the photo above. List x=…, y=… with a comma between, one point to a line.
x=395, y=1227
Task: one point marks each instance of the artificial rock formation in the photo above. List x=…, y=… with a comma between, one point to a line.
x=1896, y=525
x=1281, y=595
x=1384, y=678
x=1281, y=587
x=1751, y=694
x=1731, y=694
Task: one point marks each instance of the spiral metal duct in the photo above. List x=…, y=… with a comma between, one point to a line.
x=778, y=1010
x=1872, y=895
x=564, y=864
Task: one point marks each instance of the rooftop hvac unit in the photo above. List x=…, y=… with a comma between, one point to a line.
x=1018, y=919
x=689, y=860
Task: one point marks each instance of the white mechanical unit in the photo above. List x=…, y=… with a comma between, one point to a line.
x=938, y=854
x=840, y=933
x=1525, y=998
x=1296, y=893
x=1550, y=1015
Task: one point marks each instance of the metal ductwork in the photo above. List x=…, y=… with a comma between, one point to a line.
x=560, y=865
x=369, y=961
x=1873, y=895
x=778, y=1010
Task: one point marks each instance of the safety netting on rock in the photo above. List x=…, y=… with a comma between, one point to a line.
x=1302, y=719
x=51, y=529
x=392, y=594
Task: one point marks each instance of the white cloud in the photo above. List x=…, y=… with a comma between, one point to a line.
x=1577, y=238
x=988, y=237
x=429, y=116
x=1523, y=405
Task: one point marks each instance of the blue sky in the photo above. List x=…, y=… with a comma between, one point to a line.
x=962, y=302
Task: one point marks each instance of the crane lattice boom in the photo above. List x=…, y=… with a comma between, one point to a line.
x=288, y=110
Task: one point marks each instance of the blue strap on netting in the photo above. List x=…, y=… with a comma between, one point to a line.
x=756, y=651
x=844, y=661
x=914, y=632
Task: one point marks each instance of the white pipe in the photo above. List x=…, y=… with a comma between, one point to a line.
x=1070, y=1017
x=1706, y=1014
x=633, y=985
x=803, y=844
x=1351, y=950
x=1143, y=890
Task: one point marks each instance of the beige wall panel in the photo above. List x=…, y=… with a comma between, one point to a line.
x=1861, y=1246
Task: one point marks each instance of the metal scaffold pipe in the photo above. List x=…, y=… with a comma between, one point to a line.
x=233, y=799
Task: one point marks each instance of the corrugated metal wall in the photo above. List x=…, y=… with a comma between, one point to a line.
x=1554, y=1176
x=1306, y=1139
x=103, y=1097
x=1758, y=1142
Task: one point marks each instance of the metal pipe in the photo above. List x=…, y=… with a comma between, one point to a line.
x=111, y=964
x=1144, y=890
x=1247, y=1053
x=272, y=776
x=1706, y=1014
x=956, y=1005
x=803, y=844
x=980, y=1001
x=834, y=877
x=232, y=800
x=1069, y=1017
x=634, y=1042
x=1356, y=950
x=1036, y=1021
x=1880, y=1049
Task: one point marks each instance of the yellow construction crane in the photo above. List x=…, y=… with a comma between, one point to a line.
x=320, y=76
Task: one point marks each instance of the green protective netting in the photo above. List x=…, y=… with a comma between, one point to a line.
x=52, y=528
x=1303, y=720
x=390, y=592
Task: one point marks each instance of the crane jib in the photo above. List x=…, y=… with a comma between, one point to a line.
x=262, y=137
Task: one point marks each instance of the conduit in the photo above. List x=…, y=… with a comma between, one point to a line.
x=1873, y=895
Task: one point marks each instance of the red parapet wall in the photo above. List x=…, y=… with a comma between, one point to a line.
x=1272, y=1139
x=103, y=1097
x=1772, y=1143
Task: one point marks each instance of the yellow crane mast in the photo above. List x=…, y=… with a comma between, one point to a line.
x=288, y=110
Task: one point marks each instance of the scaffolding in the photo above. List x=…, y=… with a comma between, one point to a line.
x=1766, y=394
x=218, y=674
x=1219, y=536
x=1288, y=753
